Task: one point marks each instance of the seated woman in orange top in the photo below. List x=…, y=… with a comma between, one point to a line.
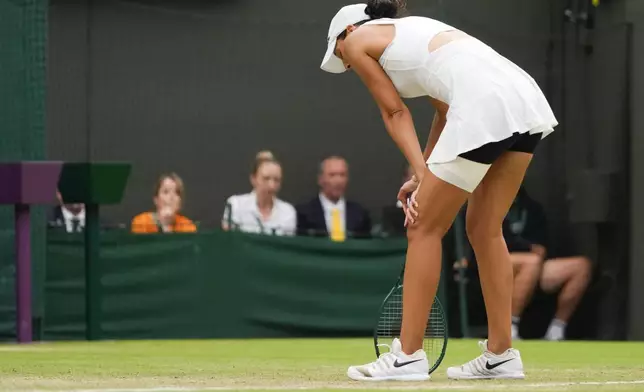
x=166, y=218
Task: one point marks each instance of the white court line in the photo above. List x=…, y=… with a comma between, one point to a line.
x=365, y=385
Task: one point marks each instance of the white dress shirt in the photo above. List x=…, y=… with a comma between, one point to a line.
x=245, y=216
x=68, y=220
x=328, y=206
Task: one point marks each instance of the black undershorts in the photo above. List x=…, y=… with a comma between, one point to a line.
x=488, y=153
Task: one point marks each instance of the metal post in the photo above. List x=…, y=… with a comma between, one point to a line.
x=93, y=271
x=23, y=273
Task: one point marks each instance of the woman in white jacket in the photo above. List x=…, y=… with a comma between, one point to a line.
x=261, y=211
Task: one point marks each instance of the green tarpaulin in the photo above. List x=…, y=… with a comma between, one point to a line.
x=23, y=42
x=221, y=285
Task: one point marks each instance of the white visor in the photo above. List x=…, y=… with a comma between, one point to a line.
x=348, y=15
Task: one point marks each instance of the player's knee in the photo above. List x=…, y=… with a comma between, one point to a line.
x=480, y=232
x=427, y=226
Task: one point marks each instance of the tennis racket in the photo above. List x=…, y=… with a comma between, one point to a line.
x=390, y=321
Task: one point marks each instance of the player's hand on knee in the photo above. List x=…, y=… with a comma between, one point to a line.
x=412, y=204
x=405, y=196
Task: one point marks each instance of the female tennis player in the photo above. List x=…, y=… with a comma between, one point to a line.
x=489, y=117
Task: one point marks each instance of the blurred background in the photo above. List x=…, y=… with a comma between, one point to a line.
x=267, y=187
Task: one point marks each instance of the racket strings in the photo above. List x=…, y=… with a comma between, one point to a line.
x=390, y=324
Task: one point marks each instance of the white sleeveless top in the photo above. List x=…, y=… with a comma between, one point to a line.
x=490, y=98
x=405, y=57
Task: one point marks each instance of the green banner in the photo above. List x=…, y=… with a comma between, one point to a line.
x=23, y=40
x=221, y=285
x=7, y=286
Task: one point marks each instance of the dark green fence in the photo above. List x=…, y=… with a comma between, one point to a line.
x=23, y=38
x=221, y=285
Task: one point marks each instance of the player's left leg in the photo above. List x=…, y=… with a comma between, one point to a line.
x=486, y=210
x=571, y=276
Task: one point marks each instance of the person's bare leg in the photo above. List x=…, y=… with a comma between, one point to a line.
x=438, y=205
x=572, y=274
x=527, y=271
x=487, y=207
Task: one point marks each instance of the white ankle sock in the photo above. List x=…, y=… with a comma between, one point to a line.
x=515, y=327
x=556, y=330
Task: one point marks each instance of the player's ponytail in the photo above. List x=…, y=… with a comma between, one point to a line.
x=377, y=9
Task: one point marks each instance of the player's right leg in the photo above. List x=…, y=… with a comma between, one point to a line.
x=438, y=204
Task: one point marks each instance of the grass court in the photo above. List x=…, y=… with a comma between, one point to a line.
x=297, y=364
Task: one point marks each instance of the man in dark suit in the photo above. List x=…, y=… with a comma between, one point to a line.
x=68, y=217
x=329, y=214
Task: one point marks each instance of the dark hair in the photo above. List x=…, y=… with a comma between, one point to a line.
x=377, y=9
x=329, y=158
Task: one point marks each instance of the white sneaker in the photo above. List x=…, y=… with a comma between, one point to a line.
x=393, y=366
x=489, y=365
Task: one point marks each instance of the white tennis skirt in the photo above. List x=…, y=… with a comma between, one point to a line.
x=490, y=98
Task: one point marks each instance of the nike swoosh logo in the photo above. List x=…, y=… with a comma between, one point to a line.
x=488, y=366
x=401, y=364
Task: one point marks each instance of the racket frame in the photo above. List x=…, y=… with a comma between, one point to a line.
x=396, y=287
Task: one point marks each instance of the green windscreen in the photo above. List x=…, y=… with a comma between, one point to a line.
x=23, y=37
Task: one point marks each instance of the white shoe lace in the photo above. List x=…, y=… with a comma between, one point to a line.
x=470, y=364
x=384, y=345
x=385, y=360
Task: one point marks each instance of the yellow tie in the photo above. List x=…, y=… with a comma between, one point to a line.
x=337, y=233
